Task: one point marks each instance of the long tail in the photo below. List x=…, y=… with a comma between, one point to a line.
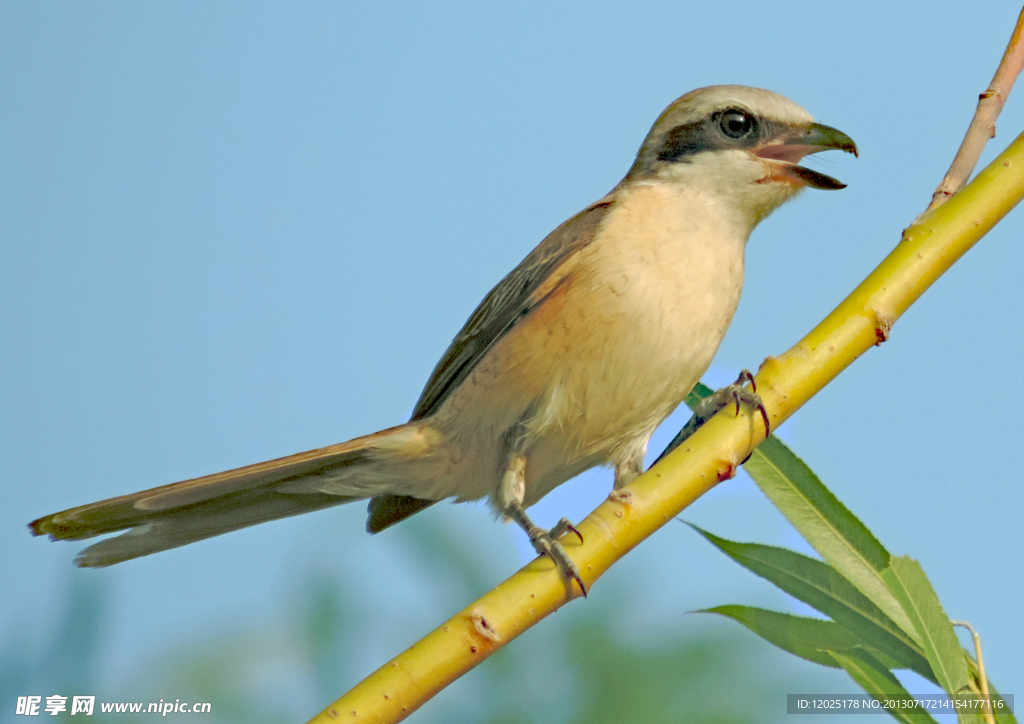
x=181, y=513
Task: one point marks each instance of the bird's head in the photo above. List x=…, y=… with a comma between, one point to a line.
x=741, y=144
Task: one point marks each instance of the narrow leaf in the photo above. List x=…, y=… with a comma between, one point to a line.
x=824, y=522
x=907, y=581
x=877, y=681
x=698, y=393
x=829, y=526
x=808, y=638
x=822, y=587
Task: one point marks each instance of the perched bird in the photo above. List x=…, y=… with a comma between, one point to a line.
x=571, y=361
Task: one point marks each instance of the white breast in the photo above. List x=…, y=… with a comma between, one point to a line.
x=656, y=293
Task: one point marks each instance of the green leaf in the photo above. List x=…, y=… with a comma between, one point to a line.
x=808, y=638
x=698, y=393
x=832, y=530
x=877, y=681
x=907, y=581
x=819, y=585
x=824, y=522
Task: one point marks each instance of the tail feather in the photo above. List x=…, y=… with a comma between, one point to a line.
x=386, y=510
x=174, y=515
x=203, y=520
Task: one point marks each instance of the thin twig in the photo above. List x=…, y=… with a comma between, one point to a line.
x=983, y=680
x=983, y=125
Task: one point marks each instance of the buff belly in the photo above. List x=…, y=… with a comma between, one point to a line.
x=586, y=377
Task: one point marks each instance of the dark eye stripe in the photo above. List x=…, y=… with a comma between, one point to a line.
x=684, y=140
x=710, y=134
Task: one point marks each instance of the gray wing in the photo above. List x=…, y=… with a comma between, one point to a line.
x=505, y=305
x=511, y=300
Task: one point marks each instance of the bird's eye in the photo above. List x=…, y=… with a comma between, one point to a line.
x=736, y=124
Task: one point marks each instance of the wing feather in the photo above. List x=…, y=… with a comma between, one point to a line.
x=511, y=300
x=507, y=303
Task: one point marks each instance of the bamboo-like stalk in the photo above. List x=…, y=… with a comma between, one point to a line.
x=862, y=320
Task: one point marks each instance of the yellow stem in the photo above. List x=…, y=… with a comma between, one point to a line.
x=982, y=678
x=927, y=249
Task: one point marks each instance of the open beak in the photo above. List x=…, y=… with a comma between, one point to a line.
x=788, y=148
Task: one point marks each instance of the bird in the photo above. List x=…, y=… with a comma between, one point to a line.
x=570, y=362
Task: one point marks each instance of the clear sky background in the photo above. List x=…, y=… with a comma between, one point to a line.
x=230, y=232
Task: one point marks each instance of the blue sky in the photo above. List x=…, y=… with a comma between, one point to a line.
x=230, y=232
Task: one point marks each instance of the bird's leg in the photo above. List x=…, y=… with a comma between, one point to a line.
x=628, y=470
x=735, y=393
x=511, y=492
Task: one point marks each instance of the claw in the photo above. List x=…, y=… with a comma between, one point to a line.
x=566, y=566
x=720, y=399
x=752, y=399
x=579, y=582
x=565, y=526
x=764, y=416
x=544, y=544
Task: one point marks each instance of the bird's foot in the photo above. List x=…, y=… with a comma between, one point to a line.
x=545, y=542
x=564, y=526
x=736, y=394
